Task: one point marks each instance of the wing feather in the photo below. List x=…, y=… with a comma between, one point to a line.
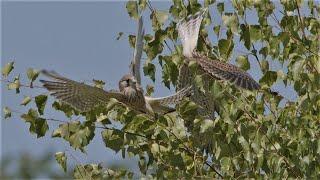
x=188, y=31
x=135, y=64
x=226, y=72
x=79, y=95
x=172, y=99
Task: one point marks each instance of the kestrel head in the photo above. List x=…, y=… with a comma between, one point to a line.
x=128, y=86
x=127, y=81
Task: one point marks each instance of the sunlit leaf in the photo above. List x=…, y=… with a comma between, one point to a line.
x=38, y=125
x=7, y=112
x=25, y=101
x=225, y=47
x=61, y=158
x=243, y=62
x=132, y=8
x=269, y=78
x=98, y=83
x=15, y=84
x=32, y=75
x=7, y=69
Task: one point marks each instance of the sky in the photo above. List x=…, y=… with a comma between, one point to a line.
x=77, y=40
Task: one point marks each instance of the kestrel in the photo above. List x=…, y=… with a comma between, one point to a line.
x=85, y=97
x=188, y=31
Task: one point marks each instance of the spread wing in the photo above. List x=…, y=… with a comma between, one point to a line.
x=172, y=99
x=160, y=105
x=79, y=95
x=188, y=31
x=135, y=64
x=228, y=72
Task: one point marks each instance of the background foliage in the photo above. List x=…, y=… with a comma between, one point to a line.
x=254, y=133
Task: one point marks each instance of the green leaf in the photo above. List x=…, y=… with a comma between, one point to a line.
x=255, y=33
x=7, y=69
x=149, y=69
x=150, y=90
x=216, y=29
x=243, y=62
x=103, y=119
x=15, y=84
x=132, y=40
x=98, y=83
x=245, y=36
x=225, y=164
x=206, y=124
x=220, y=7
x=32, y=74
x=61, y=159
x=25, y=101
x=78, y=135
x=225, y=47
x=244, y=143
x=41, y=103
x=142, y=4
x=113, y=139
x=132, y=8
x=38, y=125
x=231, y=21
x=208, y=2
x=7, y=112
x=269, y=78
x=159, y=18
x=67, y=109
x=264, y=66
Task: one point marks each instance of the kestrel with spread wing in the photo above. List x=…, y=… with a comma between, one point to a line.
x=188, y=31
x=84, y=97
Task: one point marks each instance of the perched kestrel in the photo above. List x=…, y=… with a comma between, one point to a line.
x=85, y=97
x=188, y=31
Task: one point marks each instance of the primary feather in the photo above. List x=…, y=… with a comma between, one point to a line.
x=79, y=95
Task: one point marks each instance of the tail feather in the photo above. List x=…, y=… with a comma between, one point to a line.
x=188, y=31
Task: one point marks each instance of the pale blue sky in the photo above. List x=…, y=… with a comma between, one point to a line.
x=78, y=40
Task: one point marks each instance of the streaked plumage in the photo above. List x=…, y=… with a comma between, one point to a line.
x=188, y=30
x=84, y=97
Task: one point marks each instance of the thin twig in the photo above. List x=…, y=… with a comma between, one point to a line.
x=22, y=85
x=301, y=20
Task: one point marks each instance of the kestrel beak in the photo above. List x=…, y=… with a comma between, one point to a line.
x=133, y=82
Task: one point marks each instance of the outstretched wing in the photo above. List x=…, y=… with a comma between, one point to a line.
x=228, y=72
x=188, y=31
x=160, y=105
x=135, y=64
x=172, y=99
x=79, y=95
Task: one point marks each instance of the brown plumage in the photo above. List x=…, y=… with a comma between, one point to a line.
x=188, y=30
x=84, y=97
